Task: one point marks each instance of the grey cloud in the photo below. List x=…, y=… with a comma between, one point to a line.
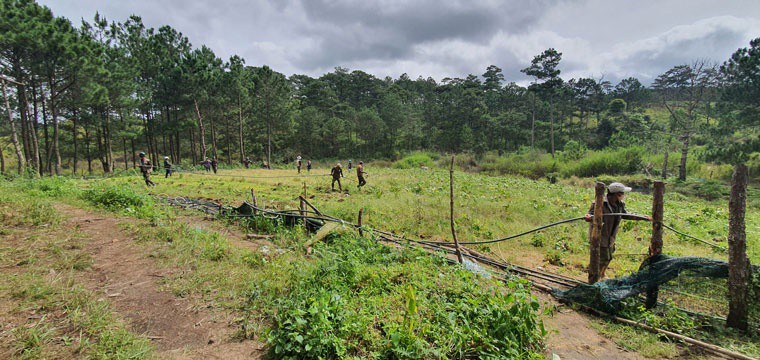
x=358, y=30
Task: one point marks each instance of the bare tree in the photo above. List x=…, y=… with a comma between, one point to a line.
x=682, y=90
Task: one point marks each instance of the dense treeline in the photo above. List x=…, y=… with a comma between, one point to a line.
x=102, y=91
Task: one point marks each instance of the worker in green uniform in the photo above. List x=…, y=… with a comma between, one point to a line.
x=337, y=173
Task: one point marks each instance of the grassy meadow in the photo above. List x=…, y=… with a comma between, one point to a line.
x=352, y=280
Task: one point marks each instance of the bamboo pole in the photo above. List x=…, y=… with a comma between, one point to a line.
x=451, y=206
x=596, y=230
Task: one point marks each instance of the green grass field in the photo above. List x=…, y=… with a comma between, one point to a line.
x=409, y=202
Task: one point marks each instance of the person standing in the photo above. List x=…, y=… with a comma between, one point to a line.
x=360, y=174
x=350, y=165
x=298, y=163
x=613, y=204
x=247, y=162
x=146, y=168
x=214, y=164
x=167, y=167
x=337, y=173
x=308, y=166
x=206, y=164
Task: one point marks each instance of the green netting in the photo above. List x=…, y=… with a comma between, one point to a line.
x=606, y=295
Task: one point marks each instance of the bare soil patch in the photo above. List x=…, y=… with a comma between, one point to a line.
x=123, y=274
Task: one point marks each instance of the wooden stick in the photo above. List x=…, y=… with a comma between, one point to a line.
x=255, y=205
x=361, y=211
x=310, y=205
x=451, y=206
x=302, y=211
x=596, y=232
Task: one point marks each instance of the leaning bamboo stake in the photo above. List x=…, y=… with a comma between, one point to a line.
x=596, y=230
x=361, y=211
x=451, y=205
x=310, y=205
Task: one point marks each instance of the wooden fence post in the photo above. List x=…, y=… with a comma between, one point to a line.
x=738, y=263
x=255, y=205
x=596, y=232
x=361, y=211
x=302, y=211
x=655, y=246
x=451, y=205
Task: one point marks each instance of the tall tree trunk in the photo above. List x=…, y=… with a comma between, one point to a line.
x=213, y=137
x=87, y=153
x=48, y=153
x=203, y=130
x=108, y=142
x=738, y=264
x=56, y=151
x=533, y=123
x=124, y=147
x=684, y=153
x=32, y=124
x=101, y=148
x=193, y=147
x=551, y=120
x=74, y=138
x=134, y=161
x=269, y=136
x=228, y=136
x=240, y=134
x=177, y=156
x=14, y=137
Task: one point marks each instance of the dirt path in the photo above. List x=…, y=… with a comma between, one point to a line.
x=128, y=279
x=572, y=337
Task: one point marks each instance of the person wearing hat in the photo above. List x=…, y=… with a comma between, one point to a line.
x=613, y=204
x=360, y=174
x=146, y=168
x=337, y=173
x=298, y=163
x=167, y=167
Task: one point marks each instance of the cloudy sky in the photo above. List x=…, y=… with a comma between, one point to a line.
x=613, y=39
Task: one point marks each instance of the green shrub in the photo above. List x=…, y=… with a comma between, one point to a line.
x=117, y=197
x=624, y=161
x=362, y=299
x=415, y=160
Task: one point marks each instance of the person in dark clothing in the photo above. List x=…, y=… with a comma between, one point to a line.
x=167, y=167
x=214, y=164
x=613, y=204
x=206, y=164
x=298, y=163
x=247, y=162
x=360, y=174
x=146, y=168
x=350, y=165
x=308, y=166
x=337, y=173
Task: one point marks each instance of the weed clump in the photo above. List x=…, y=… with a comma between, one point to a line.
x=359, y=298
